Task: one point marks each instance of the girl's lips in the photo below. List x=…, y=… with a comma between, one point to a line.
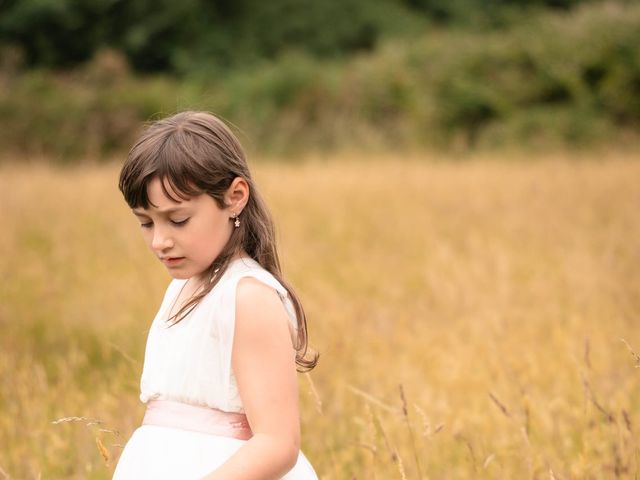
x=171, y=260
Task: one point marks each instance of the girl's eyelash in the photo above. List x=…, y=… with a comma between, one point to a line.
x=177, y=224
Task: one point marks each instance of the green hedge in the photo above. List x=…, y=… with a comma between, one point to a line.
x=554, y=80
x=201, y=36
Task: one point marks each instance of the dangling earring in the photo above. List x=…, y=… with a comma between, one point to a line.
x=236, y=222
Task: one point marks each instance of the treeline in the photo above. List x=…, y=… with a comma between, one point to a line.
x=568, y=78
x=204, y=36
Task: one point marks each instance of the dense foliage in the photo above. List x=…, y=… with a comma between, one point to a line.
x=555, y=79
x=196, y=35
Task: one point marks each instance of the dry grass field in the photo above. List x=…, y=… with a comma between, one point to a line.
x=476, y=319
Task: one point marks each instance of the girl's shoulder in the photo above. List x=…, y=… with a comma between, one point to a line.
x=247, y=267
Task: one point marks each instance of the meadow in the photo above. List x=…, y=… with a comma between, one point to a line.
x=476, y=318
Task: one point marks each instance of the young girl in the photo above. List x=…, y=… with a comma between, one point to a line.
x=219, y=376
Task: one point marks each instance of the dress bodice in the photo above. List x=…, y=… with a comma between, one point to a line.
x=190, y=361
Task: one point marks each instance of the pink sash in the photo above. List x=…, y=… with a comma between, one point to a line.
x=167, y=413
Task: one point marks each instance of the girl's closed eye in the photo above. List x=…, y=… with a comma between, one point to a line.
x=177, y=223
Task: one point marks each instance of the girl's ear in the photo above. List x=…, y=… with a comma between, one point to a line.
x=237, y=195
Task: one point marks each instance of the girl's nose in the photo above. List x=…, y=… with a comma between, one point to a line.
x=161, y=240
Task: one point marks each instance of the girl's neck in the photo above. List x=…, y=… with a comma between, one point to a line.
x=197, y=282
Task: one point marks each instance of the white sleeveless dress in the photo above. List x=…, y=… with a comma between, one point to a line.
x=190, y=362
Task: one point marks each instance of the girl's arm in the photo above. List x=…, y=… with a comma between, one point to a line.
x=263, y=361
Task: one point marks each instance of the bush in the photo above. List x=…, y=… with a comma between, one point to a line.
x=561, y=79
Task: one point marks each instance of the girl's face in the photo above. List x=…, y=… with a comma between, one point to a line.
x=186, y=236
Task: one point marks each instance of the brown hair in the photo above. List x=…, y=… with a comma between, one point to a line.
x=196, y=153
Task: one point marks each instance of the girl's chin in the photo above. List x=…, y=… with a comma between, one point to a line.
x=183, y=274
x=178, y=274
x=179, y=277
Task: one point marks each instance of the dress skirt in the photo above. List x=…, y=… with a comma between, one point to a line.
x=165, y=453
